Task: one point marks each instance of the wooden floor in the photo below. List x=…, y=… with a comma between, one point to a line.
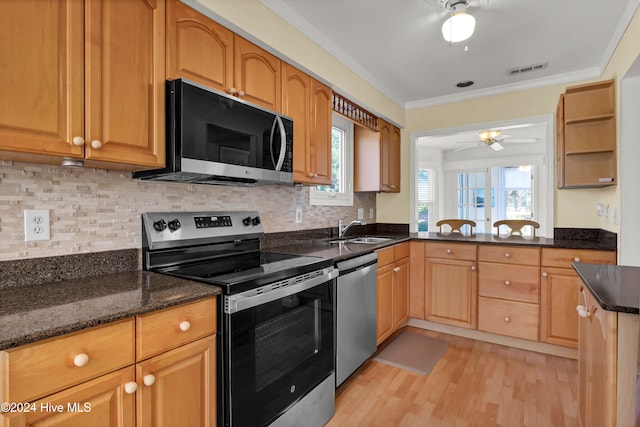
x=473, y=384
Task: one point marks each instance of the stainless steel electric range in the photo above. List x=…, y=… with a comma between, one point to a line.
x=275, y=319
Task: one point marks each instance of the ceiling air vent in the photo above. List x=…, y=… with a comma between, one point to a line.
x=526, y=69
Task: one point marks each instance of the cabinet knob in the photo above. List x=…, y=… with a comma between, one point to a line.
x=148, y=380
x=473, y=267
x=81, y=359
x=96, y=144
x=507, y=283
x=241, y=93
x=449, y=251
x=185, y=325
x=545, y=274
x=78, y=140
x=507, y=255
x=130, y=387
x=507, y=319
x=233, y=91
x=576, y=259
x=582, y=311
x=396, y=269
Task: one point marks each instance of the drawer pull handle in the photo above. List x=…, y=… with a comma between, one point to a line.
x=130, y=387
x=582, y=311
x=576, y=259
x=544, y=274
x=396, y=269
x=185, y=325
x=507, y=283
x=507, y=319
x=81, y=359
x=148, y=380
x=449, y=251
x=507, y=255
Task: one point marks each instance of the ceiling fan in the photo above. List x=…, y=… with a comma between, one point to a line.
x=494, y=139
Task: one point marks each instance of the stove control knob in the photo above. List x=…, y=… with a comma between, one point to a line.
x=160, y=225
x=174, y=224
x=255, y=220
x=246, y=221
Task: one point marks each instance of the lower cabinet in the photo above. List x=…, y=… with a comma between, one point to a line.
x=393, y=289
x=558, y=289
x=156, y=369
x=451, y=284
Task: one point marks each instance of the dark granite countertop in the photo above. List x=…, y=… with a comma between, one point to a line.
x=517, y=240
x=35, y=312
x=615, y=287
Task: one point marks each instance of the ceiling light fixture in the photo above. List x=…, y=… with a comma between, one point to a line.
x=488, y=135
x=460, y=24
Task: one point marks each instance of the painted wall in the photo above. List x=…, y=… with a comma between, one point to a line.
x=573, y=208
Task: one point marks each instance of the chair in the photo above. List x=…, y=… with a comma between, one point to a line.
x=516, y=225
x=456, y=224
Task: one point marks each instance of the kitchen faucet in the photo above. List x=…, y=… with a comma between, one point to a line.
x=343, y=228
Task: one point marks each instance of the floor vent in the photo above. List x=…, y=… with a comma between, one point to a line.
x=526, y=69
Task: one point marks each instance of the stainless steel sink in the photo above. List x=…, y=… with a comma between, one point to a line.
x=362, y=240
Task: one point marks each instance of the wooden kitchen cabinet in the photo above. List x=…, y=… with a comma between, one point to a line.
x=393, y=289
x=451, y=284
x=256, y=75
x=308, y=102
x=558, y=285
x=377, y=148
x=161, y=363
x=88, y=81
x=597, y=363
x=509, y=291
x=587, y=142
x=416, y=279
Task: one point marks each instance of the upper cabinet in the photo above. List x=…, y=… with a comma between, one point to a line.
x=381, y=148
x=83, y=80
x=308, y=102
x=201, y=50
x=587, y=136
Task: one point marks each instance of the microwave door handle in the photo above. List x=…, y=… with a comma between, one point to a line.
x=283, y=142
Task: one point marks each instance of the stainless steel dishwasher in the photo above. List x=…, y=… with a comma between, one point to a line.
x=356, y=313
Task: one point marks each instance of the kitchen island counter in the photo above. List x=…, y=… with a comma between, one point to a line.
x=615, y=287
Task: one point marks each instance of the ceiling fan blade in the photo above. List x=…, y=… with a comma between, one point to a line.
x=521, y=140
x=496, y=146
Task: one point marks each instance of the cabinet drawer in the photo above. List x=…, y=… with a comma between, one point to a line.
x=511, y=318
x=36, y=370
x=563, y=258
x=386, y=256
x=163, y=330
x=509, y=255
x=401, y=251
x=451, y=251
x=512, y=282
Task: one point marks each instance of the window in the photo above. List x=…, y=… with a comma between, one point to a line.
x=486, y=196
x=340, y=192
x=425, y=198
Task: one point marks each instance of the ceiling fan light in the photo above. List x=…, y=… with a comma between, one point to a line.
x=458, y=27
x=488, y=135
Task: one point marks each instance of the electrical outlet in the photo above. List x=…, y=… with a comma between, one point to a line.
x=298, y=215
x=360, y=213
x=36, y=225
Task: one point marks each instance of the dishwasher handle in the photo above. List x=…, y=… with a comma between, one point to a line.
x=356, y=263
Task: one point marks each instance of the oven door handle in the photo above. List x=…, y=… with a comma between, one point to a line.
x=250, y=299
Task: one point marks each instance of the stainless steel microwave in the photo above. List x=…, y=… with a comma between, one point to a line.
x=214, y=138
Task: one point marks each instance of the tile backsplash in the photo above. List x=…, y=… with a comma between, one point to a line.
x=95, y=210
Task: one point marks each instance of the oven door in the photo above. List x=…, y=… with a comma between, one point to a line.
x=278, y=345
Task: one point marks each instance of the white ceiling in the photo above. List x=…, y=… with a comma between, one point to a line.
x=397, y=45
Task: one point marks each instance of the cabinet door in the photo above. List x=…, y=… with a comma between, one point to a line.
x=41, y=50
x=394, y=160
x=451, y=292
x=401, y=292
x=320, y=134
x=296, y=103
x=385, y=323
x=385, y=156
x=99, y=402
x=178, y=388
x=558, y=319
x=125, y=65
x=416, y=280
x=198, y=48
x=256, y=74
